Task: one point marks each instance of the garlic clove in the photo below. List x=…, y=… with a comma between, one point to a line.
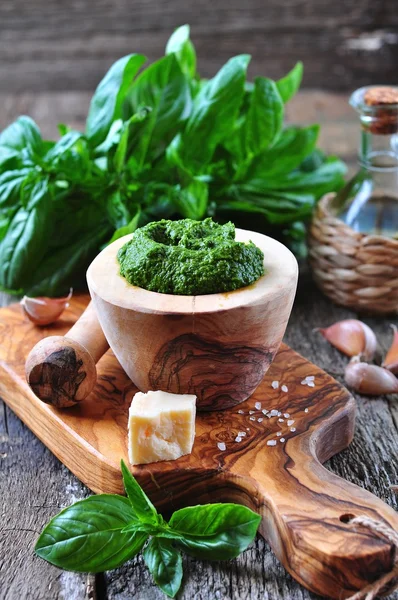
x=370, y=379
x=352, y=337
x=391, y=359
x=44, y=311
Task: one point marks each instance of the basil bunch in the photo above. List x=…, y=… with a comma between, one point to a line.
x=103, y=532
x=159, y=143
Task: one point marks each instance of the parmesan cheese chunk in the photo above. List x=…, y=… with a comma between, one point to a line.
x=161, y=426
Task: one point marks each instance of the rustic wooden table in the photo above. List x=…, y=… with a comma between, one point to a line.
x=34, y=485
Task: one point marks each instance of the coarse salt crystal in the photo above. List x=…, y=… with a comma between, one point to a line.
x=260, y=419
x=275, y=384
x=311, y=384
x=306, y=410
x=292, y=429
x=271, y=443
x=252, y=418
x=241, y=433
x=310, y=377
x=251, y=412
x=290, y=422
x=248, y=428
x=284, y=388
x=281, y=420
x=241, y=412
x=286, y=415
x=257, y=405
x=279, y=433
x=273, y=413
x=264, y=411
x=279, y=414
x=221, y=446
x=282, y=440
x=304, y=382
x=238, y=439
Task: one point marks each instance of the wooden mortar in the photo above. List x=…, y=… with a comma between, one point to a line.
x=217, y=346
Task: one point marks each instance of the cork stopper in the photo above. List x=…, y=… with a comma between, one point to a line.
x=378, y=108
x=381, y=95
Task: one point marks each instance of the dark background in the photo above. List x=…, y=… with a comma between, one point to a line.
x=62, y=45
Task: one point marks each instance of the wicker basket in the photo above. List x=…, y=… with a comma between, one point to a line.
x=355, y=270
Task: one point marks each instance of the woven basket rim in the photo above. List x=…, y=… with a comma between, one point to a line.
x=325, y=202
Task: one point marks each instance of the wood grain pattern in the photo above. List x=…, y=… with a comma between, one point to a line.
x=302, y=503
x=61, y=369
x=217, y=346
x=69, y=46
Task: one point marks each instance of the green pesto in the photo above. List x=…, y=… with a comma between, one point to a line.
x=189, y=258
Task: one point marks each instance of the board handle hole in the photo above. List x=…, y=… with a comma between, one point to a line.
x=347, y=517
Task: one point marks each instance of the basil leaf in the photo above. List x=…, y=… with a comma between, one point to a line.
x=280, y=210
x=129, y=228
x=163, y=88
x=214, y=531
x=117, y=211
x=191, y=200
x=87, y=536
x=173, y=157
x=213, y=114
x=7, y=155
x=36, y=191
x=21, y=134
x=165, y=565
x=265, y=116
x=140, y=502
x=26, y=241
x=63, y=128
x=106, y=104
x=180, y=45
x=10, y=186
x=112, y=138
x=292, y=147
x=121, y=150
x=288, y=85
x=5, y=221
x=329, y=176
x=63, y=145
x=130, y=141
x=67, y=265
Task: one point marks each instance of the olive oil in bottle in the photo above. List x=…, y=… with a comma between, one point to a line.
x=369, y=201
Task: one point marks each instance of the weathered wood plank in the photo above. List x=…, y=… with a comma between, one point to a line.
x=69, y=46
x=34, y=486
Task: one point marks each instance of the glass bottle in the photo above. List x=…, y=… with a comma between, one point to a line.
x=369, y=201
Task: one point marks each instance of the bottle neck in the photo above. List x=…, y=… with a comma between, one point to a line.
x=379, y=152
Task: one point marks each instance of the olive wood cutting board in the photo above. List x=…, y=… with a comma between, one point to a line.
x=305, y=508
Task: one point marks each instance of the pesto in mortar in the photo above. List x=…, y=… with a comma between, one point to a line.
x=189, y=258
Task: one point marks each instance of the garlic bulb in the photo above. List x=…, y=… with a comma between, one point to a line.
x=352, y=337
x=391, y=359
x=44, y=311
x=370, y=379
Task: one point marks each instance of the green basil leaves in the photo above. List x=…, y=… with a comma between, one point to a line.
x=103, y=532
x=88, y=536
x=107, y=102
x=160, y=142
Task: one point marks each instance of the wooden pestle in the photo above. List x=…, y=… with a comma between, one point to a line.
x=61, y=369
